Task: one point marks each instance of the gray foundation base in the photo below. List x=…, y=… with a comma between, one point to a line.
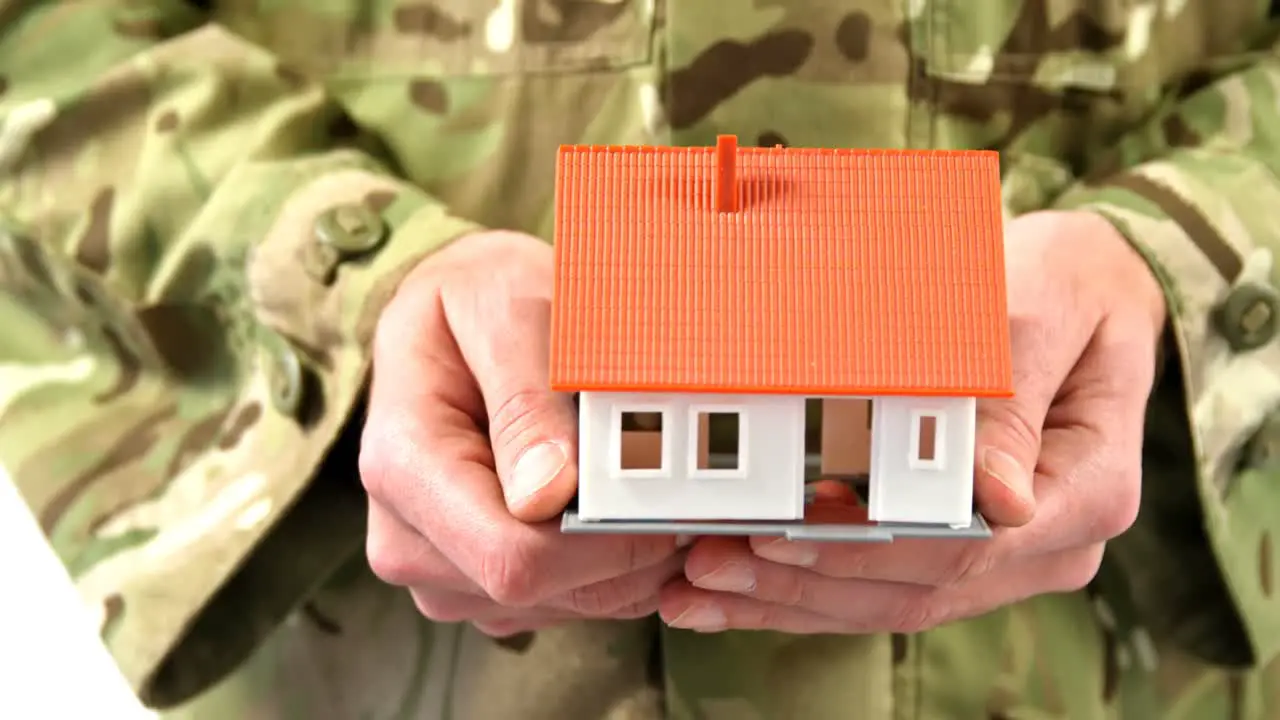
x=795, y=530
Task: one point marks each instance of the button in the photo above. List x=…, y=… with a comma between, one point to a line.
x=352, y=229
x=1248, y=317
x=284, y=374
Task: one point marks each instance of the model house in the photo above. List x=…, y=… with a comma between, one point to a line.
x=709, y=292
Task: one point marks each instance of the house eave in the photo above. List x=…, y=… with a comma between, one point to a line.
x=807, y=391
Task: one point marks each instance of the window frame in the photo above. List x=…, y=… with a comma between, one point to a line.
x=695, y=413
x=615, y=441
x=914, y=461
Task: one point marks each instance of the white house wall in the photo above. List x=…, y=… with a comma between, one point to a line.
x=903, y=489
x=769, y=484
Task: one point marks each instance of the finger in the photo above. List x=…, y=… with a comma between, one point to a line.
x=834, y=492
x=622, y=596
x=450, y=497
x=918, y=561
x=1091, y=457
x=505, y=628
x=504, y=338
x=1094, y=435
x=690, y=609
x=872, y=606
x=423, y=458
x=632, y=596
x=447, y=606
x=399, y=555
x=413, y=342
x=1073, y=510
x=499, y=629
x=421, y=391
x=1048, y=331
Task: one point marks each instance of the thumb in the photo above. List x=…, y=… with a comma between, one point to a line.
x=535, y=449
x=504, y=336
x=1007, y=449
x=1048, y=330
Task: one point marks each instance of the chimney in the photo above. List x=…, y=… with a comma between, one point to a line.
x=726, y=187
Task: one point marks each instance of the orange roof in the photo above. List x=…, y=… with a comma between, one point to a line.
x=828, y=272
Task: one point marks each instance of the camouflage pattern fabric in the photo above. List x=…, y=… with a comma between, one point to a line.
x=205, y=206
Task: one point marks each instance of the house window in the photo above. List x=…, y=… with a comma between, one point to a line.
x=926, y=441
x=718, y=443
x=641, y=441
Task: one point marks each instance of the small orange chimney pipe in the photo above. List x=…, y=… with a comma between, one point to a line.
x=727, y=173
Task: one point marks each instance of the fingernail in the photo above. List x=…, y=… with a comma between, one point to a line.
x=535, y=467
x=1008, y=472
x=800, y=554
x=683, y=541
x=701, y=618
x=731, y=577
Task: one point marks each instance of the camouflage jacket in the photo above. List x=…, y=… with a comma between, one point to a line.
x=207, y=204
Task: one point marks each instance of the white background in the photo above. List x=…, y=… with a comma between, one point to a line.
x=52, y=665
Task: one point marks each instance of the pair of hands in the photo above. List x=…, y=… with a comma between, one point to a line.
x=467, y=455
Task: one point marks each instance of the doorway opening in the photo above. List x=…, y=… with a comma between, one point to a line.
x=838, y=442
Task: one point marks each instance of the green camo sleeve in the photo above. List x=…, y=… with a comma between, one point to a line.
x=197, y=247
x=1199, y=195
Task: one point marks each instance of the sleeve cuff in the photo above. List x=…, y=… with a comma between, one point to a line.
x=1204, y=221
x=336, y=236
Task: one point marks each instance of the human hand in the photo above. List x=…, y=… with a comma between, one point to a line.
x=1086, y=314
x=466, y=451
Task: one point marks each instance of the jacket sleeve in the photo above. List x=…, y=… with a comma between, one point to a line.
x=195, y=245
x=1197, y=192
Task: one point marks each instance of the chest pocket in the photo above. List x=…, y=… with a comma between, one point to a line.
x=1070, y=53
x=1095, y=68
x=449, y=37
x=1091, y=46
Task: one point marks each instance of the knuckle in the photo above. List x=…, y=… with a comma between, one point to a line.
x=753, y=616
x=610, y=598
x=849, y=562
x=1120, y=511
x=598, y=599
x=793, y=590
x=381, y=461
x=506, y=627
x=914, y=615
x=1078, y=571
x=641, y=553
x=497, y=628
x=387, y=561
x=388, y=566
x=516, y=415
x=972, y=561
x=508, y=574
x=607, y=598
x=1127, y=379
x=1019, y=428
x=630, y=611
x=372, y=466
x=388, y=335
x=440, y=609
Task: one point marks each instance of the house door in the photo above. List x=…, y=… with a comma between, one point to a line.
x=846, y=440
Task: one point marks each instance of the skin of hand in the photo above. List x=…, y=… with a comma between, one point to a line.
x=1058, y=465
x=467, y=455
